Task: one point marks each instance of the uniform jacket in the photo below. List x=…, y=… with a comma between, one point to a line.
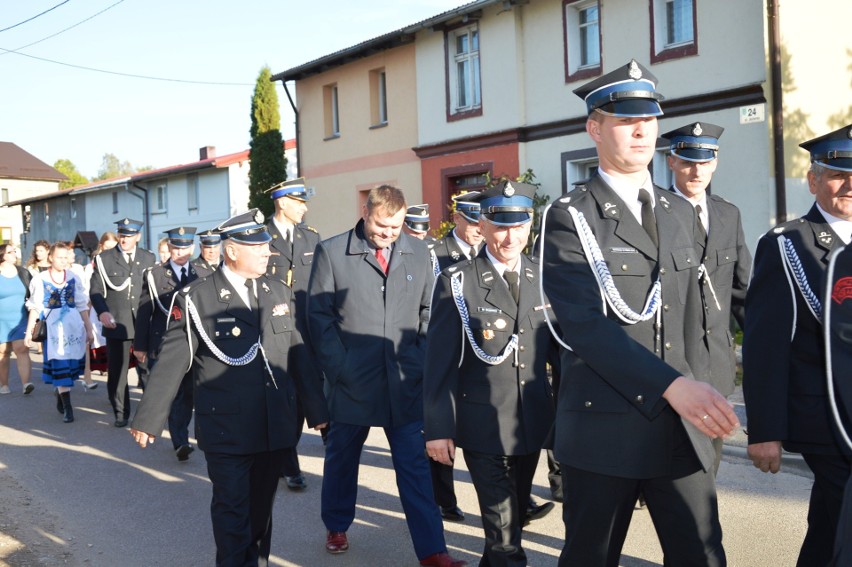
x=368, y=330
x=839, y=316
x=122, y=304
x=448, y=252
x=728, y=263
x=783, y=347
x=200, y=262
x=299, y=257
x=611, y=416
x=150, y=319
x=238, y=409
x=503, y=409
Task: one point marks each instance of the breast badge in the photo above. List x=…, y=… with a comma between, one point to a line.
x=236, y=331
x=487, y=334
x=280, y=309
x=500, y=324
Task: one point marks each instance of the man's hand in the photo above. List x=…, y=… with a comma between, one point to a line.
x=141, y=437
x=702, y=406
x=107, y=320
x=766, y=456
x=141, y=357
x=441, y=450
x=320, y=426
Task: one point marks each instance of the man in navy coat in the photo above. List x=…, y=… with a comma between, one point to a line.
x=786, y=397
x=368, y=310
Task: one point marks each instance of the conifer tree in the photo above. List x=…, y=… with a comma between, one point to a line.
x=266, y=153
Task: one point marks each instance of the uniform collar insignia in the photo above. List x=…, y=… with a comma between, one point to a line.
x=825, y=237
x=265, y=287
x=487, y=276
x=455, y=255
x=224, y=293
x=665, y=202
x=611, y=209
x=168, y=272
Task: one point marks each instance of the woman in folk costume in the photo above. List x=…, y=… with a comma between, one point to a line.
x=57, y=295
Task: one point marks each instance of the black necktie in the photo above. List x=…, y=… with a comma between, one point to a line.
x=252, y=298
x=183, y=276
x=129, y=257
x=649, y=223
x=701, y=228
x=514, y=284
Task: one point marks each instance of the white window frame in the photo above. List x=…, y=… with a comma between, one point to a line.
x=192, y=196
x=469, y=85
x=5, y=195
x=161, y=198
x=73, y=207
x=115, y=202
x=575, y=30
x=332, y=113
x=378, y=98
x=666, y=44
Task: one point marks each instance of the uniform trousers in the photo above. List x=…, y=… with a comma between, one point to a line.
x=831, y=473
x=442, y=484
x=241, y=509
x=503, y=484
x=843, y=540
x=597, y=510
x=118, y=391
x=291, y=455
x=408, y=453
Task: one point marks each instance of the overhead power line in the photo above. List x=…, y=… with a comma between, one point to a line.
x=34, y=17
x=63, y=30
x=132, y=75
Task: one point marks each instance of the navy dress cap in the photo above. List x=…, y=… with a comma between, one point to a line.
x=417, y=218
x=128, y=227
x=209, y=238
x=628, y=91
x=182, y=236
x=696, y=142
x=467, y=206
x=833, y=150
x=295, y=188
x=509, y=203
x=245, y=228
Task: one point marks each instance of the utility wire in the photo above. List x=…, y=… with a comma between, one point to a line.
x=34, y=17
x=147, y=77
x=62, y=31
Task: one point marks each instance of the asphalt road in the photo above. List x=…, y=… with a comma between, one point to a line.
x=83, y=494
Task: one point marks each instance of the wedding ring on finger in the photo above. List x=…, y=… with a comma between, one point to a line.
x=704, y=417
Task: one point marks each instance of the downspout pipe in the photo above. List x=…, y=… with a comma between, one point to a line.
x=298, y=145
x=772, y=18
x=146, y=214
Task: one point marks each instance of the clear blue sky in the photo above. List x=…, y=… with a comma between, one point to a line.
x=55, y=111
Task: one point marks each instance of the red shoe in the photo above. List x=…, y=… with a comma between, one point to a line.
x=442, y=560
x=336, y=542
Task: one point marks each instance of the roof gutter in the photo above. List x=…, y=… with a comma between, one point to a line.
x=145, y=213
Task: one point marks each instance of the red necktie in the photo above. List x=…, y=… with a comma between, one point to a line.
x=380, y=256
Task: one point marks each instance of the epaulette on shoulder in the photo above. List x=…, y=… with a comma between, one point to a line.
x=312, y=229
x=578, y=192
x=788, y=225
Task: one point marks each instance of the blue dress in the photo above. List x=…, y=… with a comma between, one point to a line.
x=59, y=305
x=13, y=314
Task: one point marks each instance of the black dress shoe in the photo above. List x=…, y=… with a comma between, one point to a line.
x=120, y=422
x=296, y=483
x=536, y=511
x=183, y=452
x=452, y=514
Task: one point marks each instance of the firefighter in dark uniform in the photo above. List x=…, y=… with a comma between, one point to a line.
x=838, y=337
x=465, y=240
x=725, y=258
x=485, y=385
x=235, y=332
x=159, y=287
x=462, y=243
x=115, y=290
x=787, y=401
x=210, y=257
x=292, y=248
x=416, y=224
x=621, y=272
